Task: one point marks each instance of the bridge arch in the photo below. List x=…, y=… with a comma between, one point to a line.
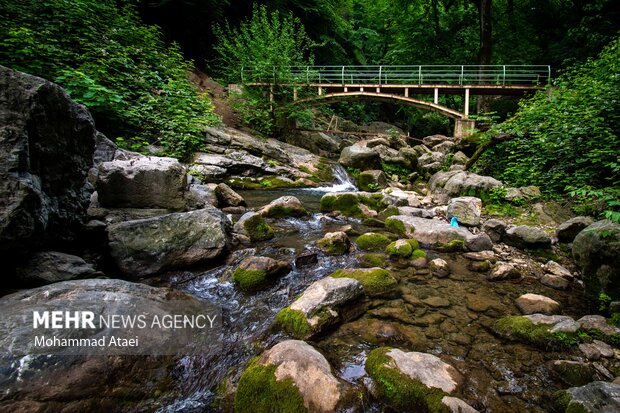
x=381, y=97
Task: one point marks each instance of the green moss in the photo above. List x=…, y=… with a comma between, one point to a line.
x=258, y=229
x=250, y=280
x=324, y=172
x=451, y=246
x=372, y=222
x=575, y=374
x=374, y=201
x=414, y=243
x=399, y=251
x=418, y=254
x=388, y=212
x=280, y=211
x=396, y=226
x=562, y=402
x=400, y=391
x=366, y=182
x=332, y=247
x=271, y=182
x=521, y=329
x=373, y=260
x=376, y=281
x=372, y=241
x=293, y=322
x=259, y=392
x=347, y=204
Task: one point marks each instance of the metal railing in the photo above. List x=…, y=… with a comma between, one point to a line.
x=499, y=75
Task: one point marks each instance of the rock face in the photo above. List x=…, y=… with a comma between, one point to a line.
x=360, y=157
x=568, y=230
x=226, y=197
x=467, y=209
x=428, y=231
x=595, y=397
x=537, y=304
x=75, y=382
x=309, y=374
x=144, y=182
x=147, y=246
x=285, y=206
x=596, y=251
x=523, y=236
x=51, y=266
x=46, y=149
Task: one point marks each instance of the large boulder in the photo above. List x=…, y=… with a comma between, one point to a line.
x=145, y=182
x=568, y=230
x=52, y=266
x=371, y=180
x=466, y=209
x=147, y=246
x=285, y=206
x=523, y=236
x=360, y=157
x=334, y=243
x=324, y=303
x=429, y=232
x=253, y=226
x=537, y=304
x=226, y=197
x=595, y=397
x=455, y=183
x=291, y=376
x=596, y=251
x=79, y=383
x=254, y=273
x=46, y=149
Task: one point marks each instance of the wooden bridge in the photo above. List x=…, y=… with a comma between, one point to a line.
x=402, y=84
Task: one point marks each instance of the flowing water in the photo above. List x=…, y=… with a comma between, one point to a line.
x=447, y=317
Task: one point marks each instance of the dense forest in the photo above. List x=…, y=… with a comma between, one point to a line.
x=128, y=62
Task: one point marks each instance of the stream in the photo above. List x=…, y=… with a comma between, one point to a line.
x=443, y=316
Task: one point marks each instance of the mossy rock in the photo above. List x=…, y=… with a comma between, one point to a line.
x=372, y=241
x=258, y=229
x=250, y=280
x=562, y=402
x=294, y=322
x=259, y=392
x=396, y=226
x=418, y=254
x=390, y=211
x=372, y=222
x=400, y=391
x=521, y=329
x=376, y=281
x=280, y=211
x=415, y=245
x=333, y=245
x=399, y=249
x=373, y=260
x=347, y=204
x=452, y=246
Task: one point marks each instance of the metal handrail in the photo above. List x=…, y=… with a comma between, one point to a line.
x=401, y=75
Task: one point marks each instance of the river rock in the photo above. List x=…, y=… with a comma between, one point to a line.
x=573, y=373
x=253, y=226
x=596, y=349
x=495, y=229
x=596, y=251
x=433, y=140
x=503, y=271
x=457, y=405
x=479, y=242
x=322, y=304
x=524, y=236
x=537, y=304
x=444, y=147
x=416, y=212
x=52, y=266
x=459, y=158
x=466, y=209
x=371, y=180
x=554, y=268
x=147, y=246
x=285, y=206
x=307, y=371
x=597, y=322
x=431, y=158
x=334, y=243
x=439, y=268
x=306, y=258
x=226, y=197
x=360, y=157
x=46, y=150
x=481, y=256
x=254, y=273
x=595, y=397
x=558, y=323
x=555, y=281
x=568, y=230
x=145, y=182
x=428, y=231
x=455, y=183
x=45, y=382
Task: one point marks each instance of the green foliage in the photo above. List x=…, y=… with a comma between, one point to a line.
x=353, y=172
x=395, y=169
x=603, y=301
x=567, y=137
x=253, y=110
x=259, y=392
x=399, y=390
x=260, y=45
x=137, y=88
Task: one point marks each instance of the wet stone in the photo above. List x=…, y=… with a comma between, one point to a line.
x=436, y=302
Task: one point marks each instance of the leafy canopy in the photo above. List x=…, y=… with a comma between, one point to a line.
x=136, y=87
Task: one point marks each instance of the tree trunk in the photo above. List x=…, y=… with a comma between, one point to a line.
x=485, y=52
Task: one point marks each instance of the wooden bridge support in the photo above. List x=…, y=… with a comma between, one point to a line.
x=463, y=127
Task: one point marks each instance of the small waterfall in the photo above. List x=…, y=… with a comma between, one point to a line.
x=342, y=182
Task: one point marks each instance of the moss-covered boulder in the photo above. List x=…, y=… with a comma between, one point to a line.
x=429, y=232
x=255, y=273
x=372, y=241
x=291, y=377
x=412, y=382
x=521, y=328
x=253, y=226
x=371, y=259
x=353, y=204
x=334, y=243
x=573, y=373
x=399, y=249
x=595, y=397
x=283, y=207
x=376, y=281
x=371, y=180
x=451, y=246
x=323, y=304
